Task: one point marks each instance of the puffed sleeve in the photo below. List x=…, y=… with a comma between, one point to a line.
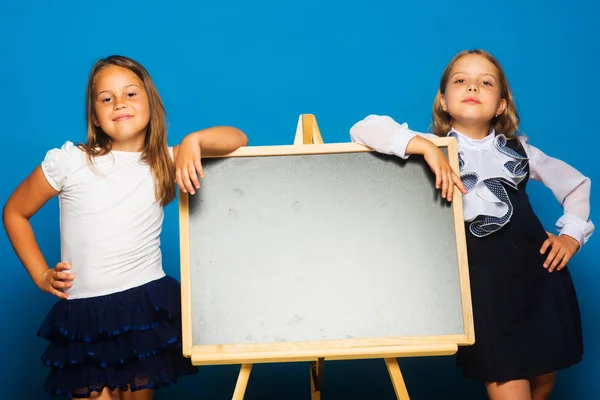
x=57, y=165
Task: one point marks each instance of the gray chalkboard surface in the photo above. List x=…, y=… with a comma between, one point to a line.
x=329, y=251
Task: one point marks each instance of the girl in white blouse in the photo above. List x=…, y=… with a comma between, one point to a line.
x=526, y=315
x=115, y=332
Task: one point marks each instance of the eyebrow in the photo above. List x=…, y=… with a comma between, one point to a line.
x=464, y=73
x=126, y=86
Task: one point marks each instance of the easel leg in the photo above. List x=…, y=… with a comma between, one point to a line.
x=242, y=382
x=316, y=378
x=397, y=379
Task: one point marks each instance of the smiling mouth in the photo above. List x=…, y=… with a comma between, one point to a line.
x=123, y=118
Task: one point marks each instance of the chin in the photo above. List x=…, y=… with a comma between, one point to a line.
x=475, y=117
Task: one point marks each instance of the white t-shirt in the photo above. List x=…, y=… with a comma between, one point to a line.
x=110, y=220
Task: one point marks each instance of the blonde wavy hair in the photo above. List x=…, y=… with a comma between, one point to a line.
x=506, y=123
x=156, y=151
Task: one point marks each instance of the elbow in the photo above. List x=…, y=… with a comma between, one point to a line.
x=359, y=127
x=579, y=192
x=8, y=214
x=586, y=186
x=220, y=139
x=354, y=132
x=11, y=212
x=242, y=137
x=7, y=211
x=357, y=132
x=237, y=137
x=4, y=215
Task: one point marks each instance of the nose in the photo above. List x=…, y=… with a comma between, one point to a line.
x=120, y=104
x=473, y=88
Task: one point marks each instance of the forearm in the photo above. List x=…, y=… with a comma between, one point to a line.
x=21, y=236
x=419, y=145
x=220, y=140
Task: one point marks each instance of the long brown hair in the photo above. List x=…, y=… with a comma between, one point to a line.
x=156, y=151
x=506, y=123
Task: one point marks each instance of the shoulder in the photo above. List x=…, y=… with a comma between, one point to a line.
x=384, y=120
x=68, y=149
x=537, y=158
x=519, y=143
x=385, y=123
x=533, y=153
x=60, y=162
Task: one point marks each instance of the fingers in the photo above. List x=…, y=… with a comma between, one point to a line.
x=560, y=254
x=193, y=175
x=545, y=246
x=186, y=176
x=568, y=247
x=183, y=180
x=445, y=177
x=450, y=186
x=60, y=278
x=199, y=168
x=458, y=182
x=551, y=257
x=62, y=266
x=178, y=180
x=60, y=284
x=55, y=280
x=564, y=262
x=445, y=185
x=441, y=181
x=64, y=276
x=58, y=293
x=447, y=180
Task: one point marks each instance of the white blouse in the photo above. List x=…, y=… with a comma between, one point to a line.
x=110, y=220
x=485, y=204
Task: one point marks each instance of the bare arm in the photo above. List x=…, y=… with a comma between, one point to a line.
x=26, y=200
x=215, y=141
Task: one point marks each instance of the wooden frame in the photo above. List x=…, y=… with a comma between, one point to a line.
x=308, y=141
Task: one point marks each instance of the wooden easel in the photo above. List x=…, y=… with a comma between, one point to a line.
x=307, y=133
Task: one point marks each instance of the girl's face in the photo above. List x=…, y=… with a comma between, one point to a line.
x=121, y=107
x=472, y=94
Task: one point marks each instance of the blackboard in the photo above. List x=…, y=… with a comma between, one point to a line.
x=332, y=251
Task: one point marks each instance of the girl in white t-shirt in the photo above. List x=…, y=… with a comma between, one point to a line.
x=115, y=332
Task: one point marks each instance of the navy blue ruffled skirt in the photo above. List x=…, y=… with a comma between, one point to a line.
x=129, y=340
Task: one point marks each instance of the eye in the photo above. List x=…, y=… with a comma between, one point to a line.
x=131, y=94
x=105, y=99
x=459, y=80
x=487, y=83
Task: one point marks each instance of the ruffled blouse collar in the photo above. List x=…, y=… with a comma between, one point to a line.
x=486, y=166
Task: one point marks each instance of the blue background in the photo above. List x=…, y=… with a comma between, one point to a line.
x=258, y=65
